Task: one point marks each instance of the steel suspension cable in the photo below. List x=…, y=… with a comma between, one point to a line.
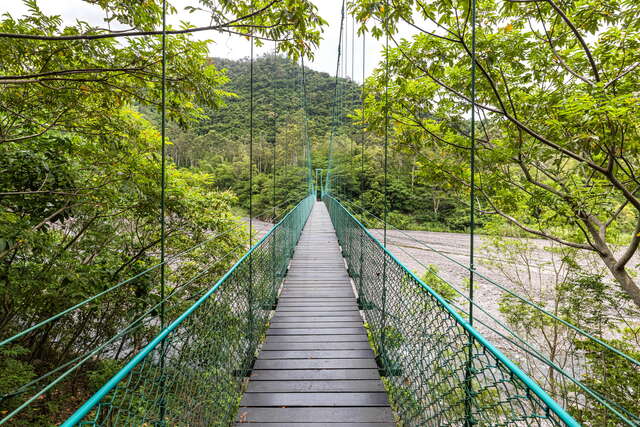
x=163, y=128
x=306, y=126
x=361, y=301
x=472, y=158
x=274, y=80
x=274, y=107
x=517, y=341
x=469, y=367
x=385, y=179
x=250, y=260
x=499, y=286
x=335, y=104
x=353, y=47
x=354, y=95
x=386, y=118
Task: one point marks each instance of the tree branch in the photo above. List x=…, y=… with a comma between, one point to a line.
x=574, y=30
x=555, y=53
x=46, y=128
x=64, y=72
x=622, y=74
x=534, y=231
x=136, y=33
x=511, y=118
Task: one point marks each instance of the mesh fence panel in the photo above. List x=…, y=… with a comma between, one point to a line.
x=193, y=372
x=438, y=370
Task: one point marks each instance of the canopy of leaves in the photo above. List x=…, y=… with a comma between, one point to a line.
x=557, y=135
x=80, y=193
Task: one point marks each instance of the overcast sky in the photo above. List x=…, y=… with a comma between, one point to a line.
x=228, y=46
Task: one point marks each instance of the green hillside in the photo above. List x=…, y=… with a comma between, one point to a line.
x=218, y=144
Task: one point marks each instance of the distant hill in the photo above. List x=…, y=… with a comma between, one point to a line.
x=277, y=87
x=218, y=143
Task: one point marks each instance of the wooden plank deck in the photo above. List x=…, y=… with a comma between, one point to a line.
x=316, y=367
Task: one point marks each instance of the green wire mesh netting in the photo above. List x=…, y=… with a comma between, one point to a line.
x=438, y=369
x=192, y=372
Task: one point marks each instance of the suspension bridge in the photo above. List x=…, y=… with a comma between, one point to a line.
x=315, y=362
x=319, y=323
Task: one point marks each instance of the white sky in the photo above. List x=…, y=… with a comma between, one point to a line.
x=229, y=46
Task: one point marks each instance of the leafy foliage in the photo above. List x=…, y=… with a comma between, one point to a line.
x=80, y=193
x=219, y=142
x=557, y=142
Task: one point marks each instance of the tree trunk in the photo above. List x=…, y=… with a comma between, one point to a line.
x=627, y=283
x=619, y=273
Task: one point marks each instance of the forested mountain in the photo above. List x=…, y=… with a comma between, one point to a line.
x=218, y=144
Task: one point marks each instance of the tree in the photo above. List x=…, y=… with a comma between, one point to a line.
x=80, y=190
x=558, y=145
x=560, y=284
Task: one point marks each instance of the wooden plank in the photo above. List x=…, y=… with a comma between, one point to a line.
x=317, y=300
x=316, y=364
x=319, y=306
x=317, y=294
x=318, y=276
x=350, y=345
x=314, y=374
x=327, y=415
x=305, y=319
x=316, y=338
x=312, y=386
x=279, y=324
x=314, y=331
x=320, y=292
x=315, y=399
x=316, y=288
x=317, y=313
x=315, y=354
x=316, y=309
x=308, y=424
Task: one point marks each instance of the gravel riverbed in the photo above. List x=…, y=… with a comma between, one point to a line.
x=532, y=273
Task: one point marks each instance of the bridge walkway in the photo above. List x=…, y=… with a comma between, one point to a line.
x=316, y=366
